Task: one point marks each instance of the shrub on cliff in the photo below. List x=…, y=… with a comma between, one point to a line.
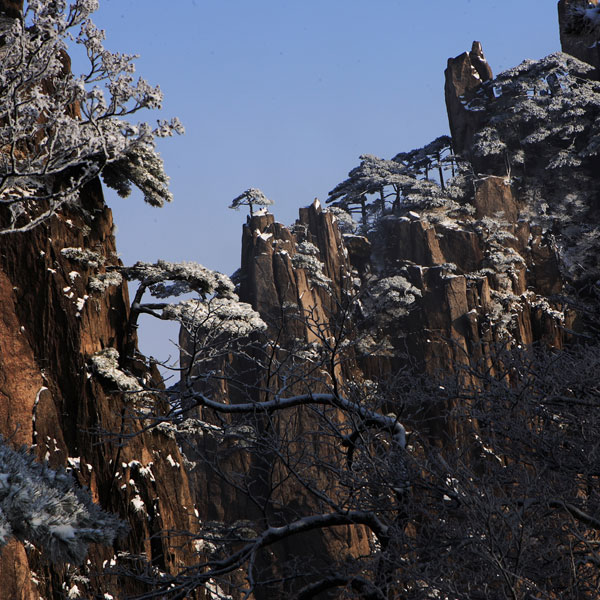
x=46, y=508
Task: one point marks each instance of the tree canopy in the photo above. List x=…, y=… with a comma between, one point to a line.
x=251, y=197
x=59, y=130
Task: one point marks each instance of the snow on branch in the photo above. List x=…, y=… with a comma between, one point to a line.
x=59, y=130
x=46, y=508
x=404, y=180
x=251, y=197
x=225, y=315
x=393, y=296
x=106, y=364
x=543, y=106
x=372, y=417
x=217, y=307
x=166, y=279
x=306, y=258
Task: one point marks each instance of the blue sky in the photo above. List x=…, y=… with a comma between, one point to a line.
x=285, y=96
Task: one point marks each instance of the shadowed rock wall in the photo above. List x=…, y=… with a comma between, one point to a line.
x=578, y=41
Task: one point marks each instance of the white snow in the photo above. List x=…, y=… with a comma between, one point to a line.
x=64, y=532
x=172, y=462
x=138, y=504
x=74, y=462
x=74, y=592
x=106, y=363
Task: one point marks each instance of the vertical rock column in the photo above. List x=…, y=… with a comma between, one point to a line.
x=576, y=38
x=464, y=76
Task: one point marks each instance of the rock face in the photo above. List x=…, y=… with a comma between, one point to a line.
x=575, y=38
x=273, y=283
x=54, y=320
x=11, y=8
x=475, y=286
x=477, y=271
x=60, y=309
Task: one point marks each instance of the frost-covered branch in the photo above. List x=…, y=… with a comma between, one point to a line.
x=58, y=130
x=46, y=508
x=250, y=198
x=405, y=180
x=384, y=422
x=216, y=308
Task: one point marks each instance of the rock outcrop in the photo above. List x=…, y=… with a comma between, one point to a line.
x=286, y=274
x=439, y=287
x=469, y=274
x=64, y=306
x=577, y=38
x=464, y=75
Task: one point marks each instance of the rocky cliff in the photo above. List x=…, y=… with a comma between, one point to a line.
x=577, y=37
x=63, y=340
x=442, y=282
x=436, y=285
x=60, y=315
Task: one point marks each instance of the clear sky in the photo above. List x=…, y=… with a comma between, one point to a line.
x=285, y=96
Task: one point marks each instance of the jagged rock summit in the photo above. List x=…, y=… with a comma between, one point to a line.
x=464, y=74
x=499, y=255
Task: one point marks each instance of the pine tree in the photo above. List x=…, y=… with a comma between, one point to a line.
x=46, y=508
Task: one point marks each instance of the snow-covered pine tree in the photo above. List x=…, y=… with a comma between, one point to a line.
x=545, y=110
x=251, y=197
x=57, y=130
x=215, y=308
x=545, y=122
x=46, y=508
x=435, y=155
x=404, y=179
x=371, y=177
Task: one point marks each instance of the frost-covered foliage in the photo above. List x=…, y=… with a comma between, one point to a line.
x=225, y=315
x=393, y=296
x=46, y=508
x=251, y=197
x=83, y=256
x=372, y=176
x=437, y=155
x=403, y=181
x=501, y=259
x=346, y=224
x=575, y=236
x=106, y=364
x=216, y=307
x=59, y=130
x=543, y=123
x=306, y=257
x=101, y=283
x=547, y=109
x=166, y=279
